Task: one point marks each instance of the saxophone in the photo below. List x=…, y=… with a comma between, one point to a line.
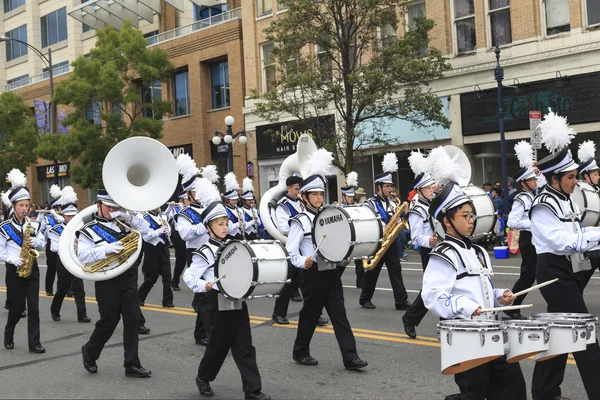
x=390, y=233
x=28, y=253
x=130, y=245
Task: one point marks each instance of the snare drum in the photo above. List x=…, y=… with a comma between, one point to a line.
x=588, y=201
x=566, y=335
x=467, y=344
x=257, y=268
x=353, y=232
x=525, y=338
x=590, y=319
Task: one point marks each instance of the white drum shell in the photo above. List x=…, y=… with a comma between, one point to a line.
x=352, y=232
x=525, y=339
x=466, y=344
x=588, y=201
x=590, y=319
x=566, y=336
x=265, y=262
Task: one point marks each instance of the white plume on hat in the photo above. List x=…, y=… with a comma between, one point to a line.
x=442, y=167
x=6, y=200
x=68, y=195
x=390, y=162
x=556, y=133
x=55, y=191
x=352, y=179
x=587, y=151
x=206, y=192
x=210, y=172
x=187, y=167
x=319, y=163
x=418, y=162
x=231, y=182
x=16, y=178
x=247, y=185
x=524, y=153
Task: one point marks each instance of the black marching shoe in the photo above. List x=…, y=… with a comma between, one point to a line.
x=56, y=317
x=84, y=319
x=405, y=305
x=137, y=372
x=258, y=395
x=202, y=342
x=368, y=305
x=142, y=303
x=88, y=362
x=49, y=294
x=306, y=360
x=23, y=314
x=70, y=293
x=175, y=288
x=355, y=364
x=204, y=388
x=143, y=330
x=37, y=349
x=168, y=305
x=322, y=321
x=409, y=328
x=9, y=345
x=296, y=296
x=280, y=320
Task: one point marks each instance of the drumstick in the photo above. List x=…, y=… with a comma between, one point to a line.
x=219, y=278
x=506, y=308
x=319, y=245
x=535, y=287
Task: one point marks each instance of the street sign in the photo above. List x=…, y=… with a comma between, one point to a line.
x=535, y=121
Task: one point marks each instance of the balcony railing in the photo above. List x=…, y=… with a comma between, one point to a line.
x=37, y=78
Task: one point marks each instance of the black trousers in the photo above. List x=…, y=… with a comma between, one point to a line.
x=417, y=311
x=65, y=280
x=51, y=258
x=19, y=291
x=392, y=262
x=117, y=297
x=235, y=334
x=324, y=289
x=587, y=275
x=496, y=380
x=156, y=263
x=199, y=330
x=207, y=311
x=528, y=266
x=180, y=256
x=283, y=301
x=358, y=268
x=566, y=295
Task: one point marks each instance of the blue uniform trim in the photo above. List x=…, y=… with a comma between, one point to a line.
x=18, y=238
x=103, y=234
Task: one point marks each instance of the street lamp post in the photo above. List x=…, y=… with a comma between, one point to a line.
x=48, y=61
x=499, y=76
x=229, y=138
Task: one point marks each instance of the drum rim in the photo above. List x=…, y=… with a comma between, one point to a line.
x=563, y=316
x=526, y=324
x=463, y=325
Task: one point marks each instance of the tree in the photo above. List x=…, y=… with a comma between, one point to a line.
x=355, y=72
x=18, y=134
x=106, y=87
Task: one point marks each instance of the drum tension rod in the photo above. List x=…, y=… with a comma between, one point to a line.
x=256, y=283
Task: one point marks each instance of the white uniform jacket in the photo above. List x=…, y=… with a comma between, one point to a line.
x=421, y=227
x=189, y=224
x=202, y=269
x=518, y=218
x=11, y=238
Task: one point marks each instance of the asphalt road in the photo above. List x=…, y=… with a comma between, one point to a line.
x=398, y=366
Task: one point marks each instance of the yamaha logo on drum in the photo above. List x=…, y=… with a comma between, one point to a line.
x=331, y=220
x=228, y=255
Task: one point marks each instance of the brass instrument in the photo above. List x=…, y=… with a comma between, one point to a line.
x=390, y=233
x=130, y=245
x=28, y=254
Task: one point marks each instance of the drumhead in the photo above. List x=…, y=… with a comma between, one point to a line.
x=525, y=324
x=588, y=201
x=483, y=208
x=236, y=259
x=333, y=222
x=571, y=316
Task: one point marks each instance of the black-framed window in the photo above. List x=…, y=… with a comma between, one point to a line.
x=181, y=88
x=558, y=18
x=16, y=49
x=92, y=112
x=219, y=82
x=18, y=81
x=54, y=27
x=464, y=22
x=593, y=12
x=204, y=12
x=500, y=22
x=151, y=93
x=10, y=5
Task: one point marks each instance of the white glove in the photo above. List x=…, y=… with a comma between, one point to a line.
x=121, y=215
x=155, y=233
x=113, y=248
x=16, y=261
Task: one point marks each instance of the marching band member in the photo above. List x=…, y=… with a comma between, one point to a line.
x=238, y=226
x=590, y=172
x=384, y=205
x=49, y=220
x=322, y=286
x=178, y=242
x=560, y=243
x=456, y=284
x=233, y=326
x=348, y=194
x=69, y=209
x=518, y=218
x=157, y=259
x=250, y=211
x=116, y=297
x=421, y=230
x=20, y=289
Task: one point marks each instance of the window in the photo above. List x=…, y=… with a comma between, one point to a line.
x=16, y=49
x=558, y=19
x=203, y=12
x=349, y=31
x=10, y=5
x=57, y=69
x=388, y=35
x=85, y=27
x=150, y=94
x=182, y=93
x=92, y=112
x=17, y=82
x=325, y=67
x=54, y=27
x=265, y=7
x=281, y=5
x=219, y=82
x=268, y=63
x=500, y=22
x=593, y=12
x=415, y=10
x=464, y=22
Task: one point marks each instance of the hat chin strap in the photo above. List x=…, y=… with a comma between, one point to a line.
x=464, y=238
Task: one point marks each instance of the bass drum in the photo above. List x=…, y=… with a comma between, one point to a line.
x=588, y=201
x=483, y=208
